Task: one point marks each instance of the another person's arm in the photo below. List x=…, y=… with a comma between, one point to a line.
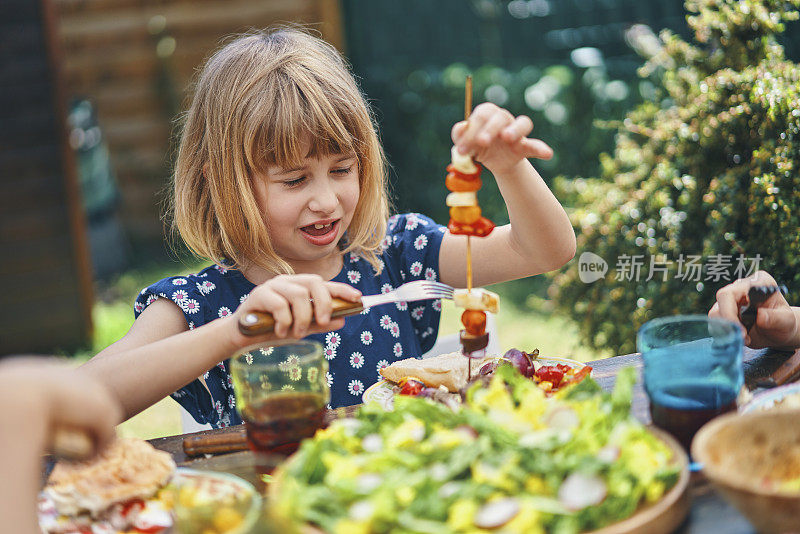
x=160, y=355
x=539, y=237
x=39, y=397
x=777, y=324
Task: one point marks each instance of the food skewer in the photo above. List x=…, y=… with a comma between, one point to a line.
x=463, y=180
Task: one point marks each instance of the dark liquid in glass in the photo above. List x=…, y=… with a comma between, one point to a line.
x=277, y=425
x=681, y=409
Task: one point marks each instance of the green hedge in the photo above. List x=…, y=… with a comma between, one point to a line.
x=711, y=168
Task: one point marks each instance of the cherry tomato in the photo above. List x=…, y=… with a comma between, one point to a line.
x=481, y=228
x=457, y=182
x=474, y=322
x=550, y=373
x=411, y=386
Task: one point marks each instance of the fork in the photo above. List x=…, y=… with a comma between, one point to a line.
x=255, y=323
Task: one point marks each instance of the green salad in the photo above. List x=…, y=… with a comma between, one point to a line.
x=511, y=460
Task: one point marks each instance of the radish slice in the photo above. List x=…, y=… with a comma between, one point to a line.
x=497, y=513
x=562, y=418
x=579, y=491
x=608, y=454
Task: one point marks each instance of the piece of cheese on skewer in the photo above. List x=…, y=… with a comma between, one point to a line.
x=477, y=299
x=462, y=162
x=462, y=199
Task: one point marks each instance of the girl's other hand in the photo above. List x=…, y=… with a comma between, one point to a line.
x=497, y=139
x=777, y=324
x=295, y=301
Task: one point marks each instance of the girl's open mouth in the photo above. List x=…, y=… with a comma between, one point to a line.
x=321, y=234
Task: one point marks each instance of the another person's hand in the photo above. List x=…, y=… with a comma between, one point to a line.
x=294, y=300
x=497, y=139
x=52, y=395
x=777, y=324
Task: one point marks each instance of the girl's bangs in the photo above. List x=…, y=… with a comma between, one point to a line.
x=297, y=129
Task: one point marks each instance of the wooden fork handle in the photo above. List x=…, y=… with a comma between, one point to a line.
x=215, y=443
x=256, y=323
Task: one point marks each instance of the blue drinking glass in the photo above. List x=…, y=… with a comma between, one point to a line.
x=692, y=371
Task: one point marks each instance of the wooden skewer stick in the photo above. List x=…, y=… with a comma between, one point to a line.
x=467, y=111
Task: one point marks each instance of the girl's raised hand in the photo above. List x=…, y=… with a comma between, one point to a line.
x=497, y=139
x=294, y=301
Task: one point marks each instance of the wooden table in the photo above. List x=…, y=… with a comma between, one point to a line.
x=709, y=512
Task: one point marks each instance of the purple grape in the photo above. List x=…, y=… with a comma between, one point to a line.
x=521, y=362
x=487, y=368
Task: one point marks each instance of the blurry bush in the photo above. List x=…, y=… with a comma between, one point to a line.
x=710, y=168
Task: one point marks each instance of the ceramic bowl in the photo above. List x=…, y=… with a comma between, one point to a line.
x=752, y=460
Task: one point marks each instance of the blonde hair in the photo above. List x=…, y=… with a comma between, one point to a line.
x=256, y=100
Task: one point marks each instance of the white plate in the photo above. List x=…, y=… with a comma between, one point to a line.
x=381, y=391
x=221, y=483
x=789, y=395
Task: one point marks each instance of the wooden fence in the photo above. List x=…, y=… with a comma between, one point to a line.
x=134, y=59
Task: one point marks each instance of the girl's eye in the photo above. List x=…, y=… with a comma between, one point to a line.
x=343, y=170
x=295, y=182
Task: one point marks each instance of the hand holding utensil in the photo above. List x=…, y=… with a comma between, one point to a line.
x=256, y=323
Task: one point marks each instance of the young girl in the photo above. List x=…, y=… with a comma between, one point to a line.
x=280, y=182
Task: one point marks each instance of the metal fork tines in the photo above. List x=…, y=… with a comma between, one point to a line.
x=409, y=292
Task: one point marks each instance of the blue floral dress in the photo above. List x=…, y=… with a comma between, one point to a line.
x=368, y=342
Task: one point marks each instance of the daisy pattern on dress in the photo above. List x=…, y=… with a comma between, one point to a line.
x=355, y=387
x=385, y=288
x=218, y=407
x=231, y=401
x=416, y=268
x=243, y=297
x=353, y=276
x=397, y=349
x=430, y=274
x=330, y=352
x=394, y=329
x=353, y=257
x=380, y=365
x=138, y=307
x=402, y=306
x=333, y=339
x=356, y=360
x=151, y=299
x=420, y=241
x=386, y=242
x=189, y=305
x=437, y=305
x=329, y=378
x=385, y=322
x=191, y=325
x=411, y=222
x=366, y=337
x=379, y=268
x=206, y=286
x=417, y=312
x=179, y=281
x=206, y=375
x=180, y=295
x=224, y=311
x=221, y=269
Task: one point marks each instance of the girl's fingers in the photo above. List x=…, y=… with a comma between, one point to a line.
x=521, y=127
x=323, y=303
x=534, y=148
x=492, y=128
x=458, y=131
x=87, y=405
x=267, y=299
x=299, y=298
x=343, y=291
x=730, y=297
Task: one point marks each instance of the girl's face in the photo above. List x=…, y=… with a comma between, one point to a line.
x=308, y=209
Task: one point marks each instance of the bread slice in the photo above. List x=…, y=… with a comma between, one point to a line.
x=448, y=370
x=128, y=469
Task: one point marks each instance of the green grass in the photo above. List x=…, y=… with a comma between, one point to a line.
x=525, y=321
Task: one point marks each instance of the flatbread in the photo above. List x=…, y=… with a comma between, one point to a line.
x=128, y=469
x=448, y=370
